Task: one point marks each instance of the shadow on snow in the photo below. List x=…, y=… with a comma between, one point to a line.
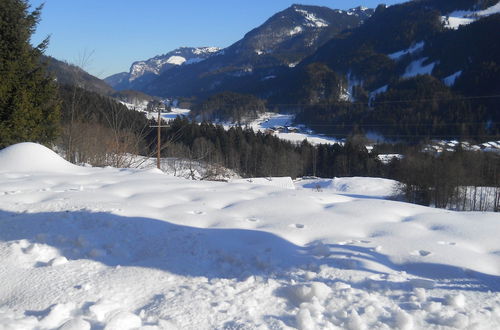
x=213, y=253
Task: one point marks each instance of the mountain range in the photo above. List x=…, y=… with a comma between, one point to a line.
x=343, y=67
x=282, y=41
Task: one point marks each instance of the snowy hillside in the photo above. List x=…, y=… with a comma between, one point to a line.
x=106, y=248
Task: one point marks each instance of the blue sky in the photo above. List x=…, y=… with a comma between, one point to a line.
x=106, y=36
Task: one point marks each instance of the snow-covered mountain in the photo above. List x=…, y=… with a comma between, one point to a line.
x=296, y=31
x=142, y=72
x=281, y=42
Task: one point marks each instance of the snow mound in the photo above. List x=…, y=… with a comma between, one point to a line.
x=32, y=157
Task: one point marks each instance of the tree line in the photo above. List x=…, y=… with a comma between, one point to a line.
x=459, y=180
x=252, y=154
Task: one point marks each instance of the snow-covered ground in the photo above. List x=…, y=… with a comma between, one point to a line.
x=270, y=120
x=106, y=248
x=354, y=186
x=169, y=116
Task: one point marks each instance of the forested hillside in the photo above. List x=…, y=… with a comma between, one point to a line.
x=403, y=75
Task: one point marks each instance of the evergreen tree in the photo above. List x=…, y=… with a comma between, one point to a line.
x=29, y=108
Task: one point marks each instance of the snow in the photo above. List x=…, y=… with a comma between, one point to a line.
x=353, y=186
x=176, y=112
x=176, y=60
x=136, y=105
x=417, y=67
x=495, y=9
x=458, y=18
x=450, y=80
x=295, y=30
x=106, y=248
x=312, y=20
x=32, y=157
x=413, y=49
x=280, y=182
x=156, y=64
x=169, y=116
x=455, y=22
x=269, y=120
x=206, y=50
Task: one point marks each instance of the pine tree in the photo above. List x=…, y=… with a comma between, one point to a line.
x=29, y=107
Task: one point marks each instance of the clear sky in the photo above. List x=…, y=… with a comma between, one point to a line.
x=106, y=36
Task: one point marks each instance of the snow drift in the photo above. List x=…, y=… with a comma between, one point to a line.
x=32, y=157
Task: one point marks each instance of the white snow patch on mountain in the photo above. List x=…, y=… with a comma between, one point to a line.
x=157, y=65
x=295, y=30
x=206, y=50
x=450, y=80
x=414, y=48
x=455, y=22
x=312, y=20
x=495, y=9
x=176, y=60
x=417, y=67
x=458, y=18
x=110, y=248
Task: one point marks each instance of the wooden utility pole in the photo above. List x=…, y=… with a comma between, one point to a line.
x=158, y=142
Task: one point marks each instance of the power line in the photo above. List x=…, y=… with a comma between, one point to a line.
x=398, y=124
x=347, y=103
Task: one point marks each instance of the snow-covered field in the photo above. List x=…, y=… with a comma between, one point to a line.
x=168, y=116
x=270, y=120
x=106, y=248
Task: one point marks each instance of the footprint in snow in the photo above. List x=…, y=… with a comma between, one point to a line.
x=197, y=212
x=298, y=226
x=422, y=253
x=446, y=243
x=253, y=220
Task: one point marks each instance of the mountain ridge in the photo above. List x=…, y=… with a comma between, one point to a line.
x=142, y=72
x=280, y=42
